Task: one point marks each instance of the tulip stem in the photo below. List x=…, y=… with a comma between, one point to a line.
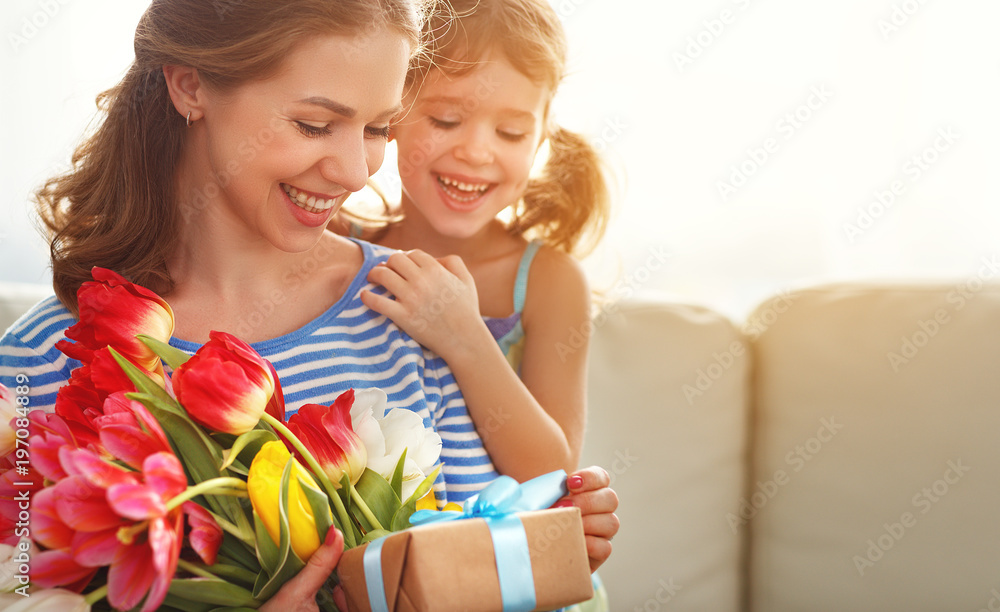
x=191, y=568
x=331, y=491
x=365, y=510
x=230, y=485
x=96, y=595
x=242, y=534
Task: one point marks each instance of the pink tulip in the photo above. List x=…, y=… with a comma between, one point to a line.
x=226, y=386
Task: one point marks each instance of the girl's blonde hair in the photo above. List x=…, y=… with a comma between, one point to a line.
x=117, y=207
x=567, y=205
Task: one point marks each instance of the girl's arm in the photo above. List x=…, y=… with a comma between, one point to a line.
x=530, y=427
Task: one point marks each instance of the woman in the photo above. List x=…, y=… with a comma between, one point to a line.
x=238, y=131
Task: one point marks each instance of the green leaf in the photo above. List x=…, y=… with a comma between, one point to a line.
x=397, y=476
x=401, y=520
x=171, y=356
x=320, y=505
x=215, y=592
x=233, y=573
x=378, y=494
x=173, y=602
x=425, y=485
x=375, y=534
x=252, y=441
x=143, y=383
x=287, y=562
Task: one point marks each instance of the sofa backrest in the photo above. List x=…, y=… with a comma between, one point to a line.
x=668, y=401
x=876, y=449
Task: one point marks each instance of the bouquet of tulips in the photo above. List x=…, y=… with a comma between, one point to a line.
x=187, y=489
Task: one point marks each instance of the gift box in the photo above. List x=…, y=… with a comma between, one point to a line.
x=451, y=566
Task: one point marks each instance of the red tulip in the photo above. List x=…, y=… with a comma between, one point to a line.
x=226, y=386
x=112, y=312
x=129, y=432
x=328, y=433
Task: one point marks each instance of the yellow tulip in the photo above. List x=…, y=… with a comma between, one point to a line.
x=264, y=487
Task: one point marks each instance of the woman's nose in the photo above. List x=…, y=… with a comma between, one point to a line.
x=346, y=164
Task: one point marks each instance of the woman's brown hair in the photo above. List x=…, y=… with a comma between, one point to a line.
x=116, y=208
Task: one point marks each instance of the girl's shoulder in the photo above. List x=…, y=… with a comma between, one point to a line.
x=557, y=286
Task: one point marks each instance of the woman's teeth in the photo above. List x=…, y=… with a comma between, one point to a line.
x=308, y=202
x=463, y=192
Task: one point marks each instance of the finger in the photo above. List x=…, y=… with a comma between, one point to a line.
x=601, y=501
x=455, y=265
x=601, y=525
x=422, y=258
x=598, y=551
x=321, y=564
x=588, y=479
x=340, y=598
x=384, y=305
x=402, y=264
x=386, y=277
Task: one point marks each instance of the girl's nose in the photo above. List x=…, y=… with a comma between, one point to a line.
x=475, y=148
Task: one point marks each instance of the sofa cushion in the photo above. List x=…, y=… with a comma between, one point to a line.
x=667, y=418
x=875, y=483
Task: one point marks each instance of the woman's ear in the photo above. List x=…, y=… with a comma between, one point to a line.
x=186, y=91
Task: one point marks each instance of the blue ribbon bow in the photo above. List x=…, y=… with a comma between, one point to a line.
x=496, y=503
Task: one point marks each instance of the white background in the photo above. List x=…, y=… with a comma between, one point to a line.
x=679, y=96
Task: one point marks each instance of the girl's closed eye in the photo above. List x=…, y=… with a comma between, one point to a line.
x=444, y=124
x=511, y=136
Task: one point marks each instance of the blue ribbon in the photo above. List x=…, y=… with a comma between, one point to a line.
x=496, y=503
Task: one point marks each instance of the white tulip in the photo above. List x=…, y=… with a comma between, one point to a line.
x=387, y=435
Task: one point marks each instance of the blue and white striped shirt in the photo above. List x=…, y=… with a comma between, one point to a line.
x=348, y=346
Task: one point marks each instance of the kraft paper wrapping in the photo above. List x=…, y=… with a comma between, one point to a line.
x=450, y=566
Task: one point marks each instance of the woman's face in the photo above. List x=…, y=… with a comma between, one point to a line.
x=282, y=154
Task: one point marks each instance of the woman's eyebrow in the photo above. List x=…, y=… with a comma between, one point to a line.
x=346, y=111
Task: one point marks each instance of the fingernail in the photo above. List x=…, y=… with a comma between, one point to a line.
x=574, y=482
x=563, y=503
x=331, y=535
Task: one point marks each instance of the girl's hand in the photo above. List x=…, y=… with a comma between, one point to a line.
x=299, y=593
x=435, y=300
x=589, y=491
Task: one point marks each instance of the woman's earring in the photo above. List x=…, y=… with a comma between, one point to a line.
x=189, y=119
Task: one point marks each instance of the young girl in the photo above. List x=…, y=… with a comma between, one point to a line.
x=473, y=287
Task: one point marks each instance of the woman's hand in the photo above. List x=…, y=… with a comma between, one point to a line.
x=589, y=491
x=299, y=593
x=435, y=300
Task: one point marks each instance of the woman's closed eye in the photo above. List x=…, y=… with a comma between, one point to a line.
x=378, y=132
x=313, y=131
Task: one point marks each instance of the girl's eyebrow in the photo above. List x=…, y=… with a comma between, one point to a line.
x=516, y=113
x=346, y=111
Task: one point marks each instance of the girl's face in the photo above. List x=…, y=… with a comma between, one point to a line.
x=282, y=154
x=467, y=145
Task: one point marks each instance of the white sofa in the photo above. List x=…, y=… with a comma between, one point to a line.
x=838, y=451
